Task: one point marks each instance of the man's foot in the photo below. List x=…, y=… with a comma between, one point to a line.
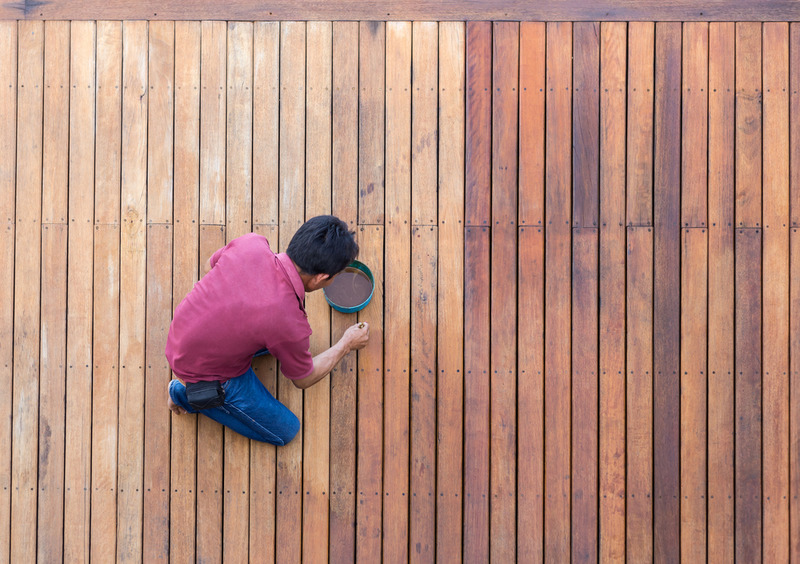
x=174, y=407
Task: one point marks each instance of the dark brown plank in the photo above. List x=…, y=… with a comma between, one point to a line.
x=585, y=218
x=476, y=394
x=721, y=125
x=666, y=296
x=775, y=280
x=557, y=291
x=479, y=123
x=612, y=301
x=567, y=10
x=343, y=377
x=748, y=470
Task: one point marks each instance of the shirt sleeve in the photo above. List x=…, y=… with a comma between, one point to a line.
x=215, y=257
x=295, y=357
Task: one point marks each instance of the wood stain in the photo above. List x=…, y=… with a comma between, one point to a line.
x=350, y=288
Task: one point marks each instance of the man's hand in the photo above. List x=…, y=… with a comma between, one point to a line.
x=357, y=336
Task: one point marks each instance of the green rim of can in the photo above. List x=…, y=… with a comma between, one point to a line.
x=358, y=265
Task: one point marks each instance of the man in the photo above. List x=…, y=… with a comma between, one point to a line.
x=252, y=299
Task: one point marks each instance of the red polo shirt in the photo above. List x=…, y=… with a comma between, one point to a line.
x=251, y=299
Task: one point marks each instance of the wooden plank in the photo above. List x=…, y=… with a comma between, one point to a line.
x=266, y=120
x=775, y=280
x=748, y=470
x=794, y=293
x=371, y=107
x=612, y=303
x=133, y=289
x=666, y=297
x=185, y=268
x=354, y=10
x=585, y=218
x=558, y=245
x=55, y=168
x=639, y=391
x=641, y=44
x=422, y=515
x=212, y=122
x=105, y=390
x=748, y=125
x=477, y=192
x=160, y=114
x=720, y=292
x=397, y=292
x=450, y=299
x=424, y=123
x=344, y=176
x=77, y=463
x=505, y=108
x=238, y=219
x=693, y=294
x=292, y=214
x=8, y=154
x=693, y=398
x=27, y=283
x=530, y=295
x=532, y=61
x=317, y=404
x=370, y=406
x=476, y=388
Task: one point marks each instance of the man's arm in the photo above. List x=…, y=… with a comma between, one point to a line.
x=354, y=338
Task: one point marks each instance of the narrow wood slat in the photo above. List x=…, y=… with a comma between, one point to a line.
x=794, y=293
x=316, y=435
x=369, y=457
x=213, y=103
x=160, y=114
x=55, y=165
x=612, y=304
x=532, y=44
x=424, y=123
x=210, y=446
x=693, y=398
x=775, y=280
x=133, y=289
x=794, y=125
x=476, y=388
x=450, y=299
x=694, y=120
x=397, y=292
x=585, y=266
x=748, y=125
x=641, y=45
x=77, y=464
x=371, y=109
x=27, y=284
x=342, y=535
x=720, y=292
x=238, y=221
x=639, y=394
x=422, y=482
x=477, y=192
x=8, y=154
x=748, y=429
x=185, y=268
x=292, y=214
x=266, y=122
x=105, y=388
x=666, y=293
x=557, y=289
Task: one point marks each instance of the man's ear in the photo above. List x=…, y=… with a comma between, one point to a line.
x=320, y=278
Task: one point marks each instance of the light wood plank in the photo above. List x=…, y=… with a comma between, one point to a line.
x=371, y=128
x=794, y=293
x=213, y=105
x=424, y=123
x=397, y=292
x=27, y=284
x=77, y=464
x=641, y=45
x=748, y=125
x=266, y=120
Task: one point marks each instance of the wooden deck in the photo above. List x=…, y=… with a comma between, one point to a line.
x=586, y=329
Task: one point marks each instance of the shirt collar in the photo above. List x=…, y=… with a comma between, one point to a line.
x=290, y=271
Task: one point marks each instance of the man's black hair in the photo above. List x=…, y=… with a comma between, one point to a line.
x=323, y=245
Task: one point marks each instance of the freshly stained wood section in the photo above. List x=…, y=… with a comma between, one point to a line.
x=584, y=328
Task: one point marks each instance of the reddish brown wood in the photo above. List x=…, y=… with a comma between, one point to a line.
x=479, y=123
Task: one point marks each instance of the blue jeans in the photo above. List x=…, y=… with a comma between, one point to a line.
x=249, y=409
